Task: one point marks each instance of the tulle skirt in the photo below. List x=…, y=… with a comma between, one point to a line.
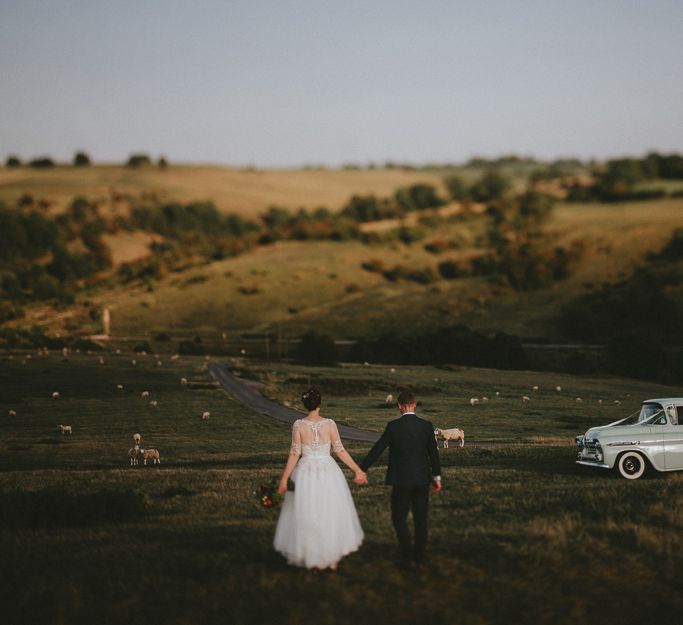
x=318, y=521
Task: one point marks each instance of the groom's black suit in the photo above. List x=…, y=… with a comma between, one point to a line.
x=413, y=465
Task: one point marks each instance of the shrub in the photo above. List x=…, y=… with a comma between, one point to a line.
x=491, y=186
x=317, y=349
x=375, y=265
x=142, y=347
x=87, y=345
x=418, y=197
x=162, y=336
x=451, y=269
x=457, y=188
x=13, y=161
x=190, y=348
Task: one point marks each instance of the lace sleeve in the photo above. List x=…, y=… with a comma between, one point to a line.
x=337, y=446
x=295, y=450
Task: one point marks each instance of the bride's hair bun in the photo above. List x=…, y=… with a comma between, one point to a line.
x=311, y=398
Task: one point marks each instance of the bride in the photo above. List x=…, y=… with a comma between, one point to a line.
x=318, y=523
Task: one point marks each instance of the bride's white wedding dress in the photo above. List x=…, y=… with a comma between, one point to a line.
x=318, y=522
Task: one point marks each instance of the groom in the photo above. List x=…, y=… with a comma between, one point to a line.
x=413, y=465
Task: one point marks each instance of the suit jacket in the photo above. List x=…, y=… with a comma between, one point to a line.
x=413, y=457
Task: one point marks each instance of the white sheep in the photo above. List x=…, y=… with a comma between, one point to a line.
x=392, y=370
x=558, y=389
x=65, y=429
x=579, y=400
x=183, y=381
x=389, y=398
x=12, y=413
x=101, y=360
x=366, y=364
x=497, y=393
x=133, y=455
x=154, y=403
x=484, y=400
x=452, y=434
x=526, y=398
x=150, y=453
x=159, y=363
x=600, y=401
x=175, y=357
x=144, y=394
x=534, y=387
x=119, y=387
x=474, y=400
x=133, y=362
x=137, y=438
x=205, y=415
x=616, y=401
x=55, y=395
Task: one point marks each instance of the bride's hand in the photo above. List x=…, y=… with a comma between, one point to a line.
x=282, y=487
x=361, y=478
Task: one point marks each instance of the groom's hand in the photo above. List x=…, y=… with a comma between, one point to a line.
x=437, y=486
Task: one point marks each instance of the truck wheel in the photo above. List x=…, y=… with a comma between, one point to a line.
x=631, y=465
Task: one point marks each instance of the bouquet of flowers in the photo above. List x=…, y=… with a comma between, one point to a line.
x=267, y=495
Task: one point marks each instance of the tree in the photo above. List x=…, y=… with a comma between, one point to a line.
x=317, y=349
x=456, y=187
x=138, y=160
x=13, y=161
x=491, y=186
x=81, y=159
x=162, y=163
x=42, y=162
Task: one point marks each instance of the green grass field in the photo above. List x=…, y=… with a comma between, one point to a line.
x=519, y=535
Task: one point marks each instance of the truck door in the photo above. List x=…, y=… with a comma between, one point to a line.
x=673, y=437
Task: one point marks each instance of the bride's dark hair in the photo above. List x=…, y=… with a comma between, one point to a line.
x=311, y=398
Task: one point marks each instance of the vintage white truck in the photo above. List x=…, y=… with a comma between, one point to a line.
x=653, y=437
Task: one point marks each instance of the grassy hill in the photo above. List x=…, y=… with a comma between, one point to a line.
x=247, y=192
x=321, y=284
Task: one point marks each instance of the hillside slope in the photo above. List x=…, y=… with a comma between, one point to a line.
x=247, y=192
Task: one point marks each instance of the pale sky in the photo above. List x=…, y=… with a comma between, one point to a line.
x=286, y=82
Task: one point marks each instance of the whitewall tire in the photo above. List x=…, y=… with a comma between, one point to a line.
x=631, y=465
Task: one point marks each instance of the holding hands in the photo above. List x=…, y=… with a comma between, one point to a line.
x=361, y=478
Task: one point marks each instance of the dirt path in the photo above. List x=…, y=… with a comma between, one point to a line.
x=253, y=399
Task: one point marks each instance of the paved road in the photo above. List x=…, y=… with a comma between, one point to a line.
x=252, y=398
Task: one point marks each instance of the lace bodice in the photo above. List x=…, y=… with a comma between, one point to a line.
x=315, y=438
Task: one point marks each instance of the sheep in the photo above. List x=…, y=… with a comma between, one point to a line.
x=558, y=389
x=133, y=455
x=526, y=398
x=484, y=400
x=159, y=363
x=389, y=398
x=133, y=362
x=144, y=394
x=183, y=381
x=101, y=360
x=579, y=400
x=55, y=395
x=12, y=413
x=453, y=433
x=600, y=401
x=205, y=415
x=137, y=438
x=392, y=370
x=65, y=429
x=150, y=453
x=119, y=387
x=366, y=364
x=474, y=400
x=616, y=401
x=497, y=393
x=175, y=357
x=154, y=403
x=534, y=387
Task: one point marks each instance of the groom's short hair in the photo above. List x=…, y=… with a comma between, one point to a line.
x=405, y=398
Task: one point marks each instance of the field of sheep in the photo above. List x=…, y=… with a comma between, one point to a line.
x=520, y=534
